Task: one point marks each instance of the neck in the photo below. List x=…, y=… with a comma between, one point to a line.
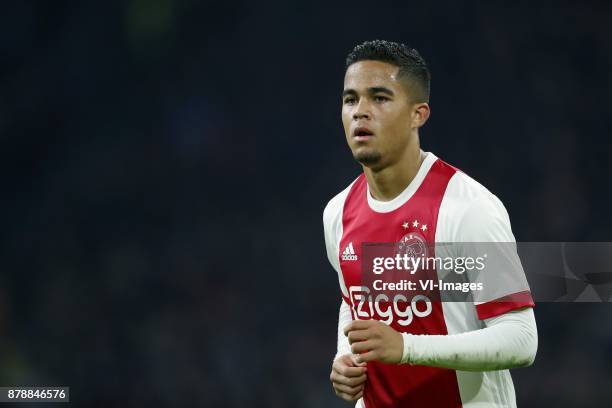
x=387, y=183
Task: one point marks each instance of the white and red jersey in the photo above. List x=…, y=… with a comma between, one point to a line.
x=442, y=205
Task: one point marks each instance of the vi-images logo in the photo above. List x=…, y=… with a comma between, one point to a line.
x=349, y=253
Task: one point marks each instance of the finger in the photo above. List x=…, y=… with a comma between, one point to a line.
x=349, y=396
x=363, y=346
x=357, y=325
x=356, y=362
x=346, y=397
x=358, y=335
x=348, y=381
x=348, y=389
x=347, y=360
x=353, y=381
x=348, y=371
x=357, y=396
x=352, y=371
x=369, y=356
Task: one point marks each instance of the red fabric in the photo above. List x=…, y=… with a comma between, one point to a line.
x=504, y=305
x=392, y=385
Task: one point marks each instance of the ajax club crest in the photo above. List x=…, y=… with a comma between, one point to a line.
x=413, y=243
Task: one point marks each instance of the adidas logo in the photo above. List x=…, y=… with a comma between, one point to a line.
x=349, y=253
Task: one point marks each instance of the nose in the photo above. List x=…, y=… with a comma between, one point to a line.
x=362, y=111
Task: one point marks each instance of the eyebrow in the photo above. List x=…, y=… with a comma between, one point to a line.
x=372, y=90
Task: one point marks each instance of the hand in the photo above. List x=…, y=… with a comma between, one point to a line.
x=348, y=377
x=372, y=340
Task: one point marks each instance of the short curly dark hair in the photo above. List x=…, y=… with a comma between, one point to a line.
x=412, y=66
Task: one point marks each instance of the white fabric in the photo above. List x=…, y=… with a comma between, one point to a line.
x=507, y=341
x=468, y=213
x=344, y=318
x=471, y=213
x=397, y=202
x=332, y=228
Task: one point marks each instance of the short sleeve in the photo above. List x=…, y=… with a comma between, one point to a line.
x=332, y=230
x=484, y=232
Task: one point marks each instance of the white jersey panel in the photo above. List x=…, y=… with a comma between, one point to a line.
x=332, y=228
x=465, y=215
x=468, y=213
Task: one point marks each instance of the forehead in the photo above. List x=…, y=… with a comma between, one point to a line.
x=367, y=74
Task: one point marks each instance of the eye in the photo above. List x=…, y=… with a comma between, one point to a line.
x=349, y=100
x=380, y=98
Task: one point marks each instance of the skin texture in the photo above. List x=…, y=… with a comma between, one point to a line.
x=375, y=98
x=372, y=340
x=348, y=377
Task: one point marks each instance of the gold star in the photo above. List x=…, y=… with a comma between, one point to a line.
x=415, y=224
x=424, y=227
x=406, y=224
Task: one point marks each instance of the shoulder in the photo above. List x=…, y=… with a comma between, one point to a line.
x=332, y=213
x=470, y=212
x=332, y=225
x=464, y=190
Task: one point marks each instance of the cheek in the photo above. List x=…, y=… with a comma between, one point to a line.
x=346, y=121
x=398, y=124
x=395, y=132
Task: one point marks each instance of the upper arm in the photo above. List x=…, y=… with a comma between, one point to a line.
x=332, y=229
x=486, y=233
x=473, y=223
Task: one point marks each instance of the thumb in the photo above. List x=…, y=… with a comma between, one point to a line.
x=356, y=362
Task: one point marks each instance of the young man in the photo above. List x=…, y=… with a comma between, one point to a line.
x=426, y=353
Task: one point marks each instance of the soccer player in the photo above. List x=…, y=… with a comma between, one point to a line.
x=426, y=353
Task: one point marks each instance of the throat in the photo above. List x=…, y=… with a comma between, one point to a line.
x=388, y=183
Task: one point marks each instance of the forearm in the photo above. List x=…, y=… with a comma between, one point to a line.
x=508, y=341
x=344, y=318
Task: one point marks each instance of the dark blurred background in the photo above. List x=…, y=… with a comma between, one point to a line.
x=165, y=166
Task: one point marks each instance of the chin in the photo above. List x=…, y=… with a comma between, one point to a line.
x=368, y=157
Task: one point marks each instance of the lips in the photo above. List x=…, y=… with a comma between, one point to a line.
x=362, y=132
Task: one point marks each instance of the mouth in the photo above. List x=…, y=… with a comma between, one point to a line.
x=362, y=133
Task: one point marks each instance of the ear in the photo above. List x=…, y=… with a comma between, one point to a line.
x=420, y=114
